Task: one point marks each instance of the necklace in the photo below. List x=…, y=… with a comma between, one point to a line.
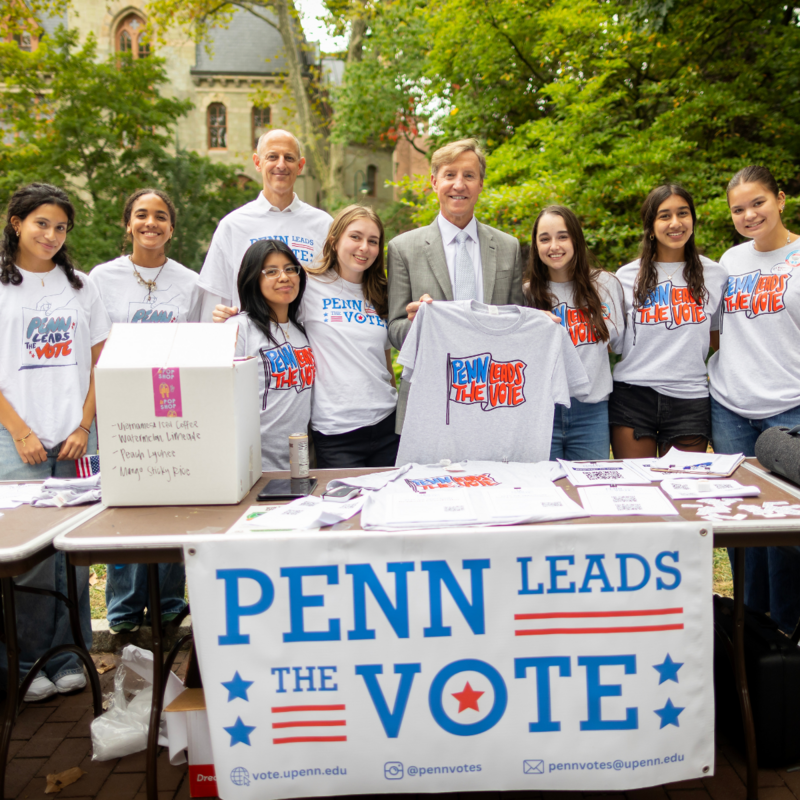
x=149, y=285
x=285, y=333
x=670, y=274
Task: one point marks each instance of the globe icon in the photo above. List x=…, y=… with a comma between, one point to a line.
x=240, y=776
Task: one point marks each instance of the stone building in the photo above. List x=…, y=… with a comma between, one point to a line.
x=225, y=122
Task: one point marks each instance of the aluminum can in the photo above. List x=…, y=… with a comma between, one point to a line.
x=298, y=455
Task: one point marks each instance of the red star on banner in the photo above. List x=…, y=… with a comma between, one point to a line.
x=467, y=698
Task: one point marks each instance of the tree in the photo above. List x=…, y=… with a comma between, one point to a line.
x=592, y=104
x=313, y=111
x=102, y=130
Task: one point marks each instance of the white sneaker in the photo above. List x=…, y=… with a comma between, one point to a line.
x=41, y=688
x=67, y=684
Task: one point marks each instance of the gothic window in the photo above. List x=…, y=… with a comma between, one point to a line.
x=261, y=123
x=372, y=174
x=130, y=37
x=217, y=126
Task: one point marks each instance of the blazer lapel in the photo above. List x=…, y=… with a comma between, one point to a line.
x=434, y=250
x=488, y=260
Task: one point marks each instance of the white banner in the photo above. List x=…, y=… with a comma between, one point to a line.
x=550, y=657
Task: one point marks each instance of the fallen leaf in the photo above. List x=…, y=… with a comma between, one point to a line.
x=105, y=665
x=56, y=782
x=92, y=578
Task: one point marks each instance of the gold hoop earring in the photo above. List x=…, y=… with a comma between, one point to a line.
x=652, y=236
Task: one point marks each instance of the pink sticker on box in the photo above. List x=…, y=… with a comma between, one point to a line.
x=167, y=392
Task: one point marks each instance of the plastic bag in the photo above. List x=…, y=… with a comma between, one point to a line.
x=122, y=730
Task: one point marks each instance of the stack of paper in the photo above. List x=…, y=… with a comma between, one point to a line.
x=718, y=465
x=679, y=489
x=481, y=505
x=614, y=501
x=302, y=514
x=598, y=473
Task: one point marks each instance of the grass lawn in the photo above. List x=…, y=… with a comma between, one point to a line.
x=723, y=582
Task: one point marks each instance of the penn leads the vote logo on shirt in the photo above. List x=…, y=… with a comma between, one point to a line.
x=481, y=380
x=363, y=663
x=349, y=310
x=48, y=335
x=672, y=305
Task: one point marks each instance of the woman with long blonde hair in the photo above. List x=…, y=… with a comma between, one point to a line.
x=344, y=311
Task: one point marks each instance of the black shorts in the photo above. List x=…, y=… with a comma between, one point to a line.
x=656, y=415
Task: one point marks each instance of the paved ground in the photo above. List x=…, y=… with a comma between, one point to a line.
x=54, y=736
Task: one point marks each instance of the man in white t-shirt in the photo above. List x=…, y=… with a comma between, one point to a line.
x=277, y=213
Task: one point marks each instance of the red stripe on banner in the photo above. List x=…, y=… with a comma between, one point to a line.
x=648, y=612
x=295, y=739
x=631, y=629
x=308, y=723
x=280, y=709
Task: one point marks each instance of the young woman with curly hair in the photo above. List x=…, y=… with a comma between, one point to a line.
x=52, y=329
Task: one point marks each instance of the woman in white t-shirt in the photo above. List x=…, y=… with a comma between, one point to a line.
x=146, y=286
x=672, y=296
x=588, y=302
x=271, y=283
x=755, y=375
x=344, y=312
x=52, y=329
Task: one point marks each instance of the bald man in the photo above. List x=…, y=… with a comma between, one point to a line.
x=277, y=213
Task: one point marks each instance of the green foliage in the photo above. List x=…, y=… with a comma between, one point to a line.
x=101, y=130
x=592, y=105
x=203, y=192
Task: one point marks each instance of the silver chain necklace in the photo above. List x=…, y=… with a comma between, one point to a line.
x=142, y=281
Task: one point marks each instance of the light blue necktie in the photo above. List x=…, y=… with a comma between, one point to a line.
x=465, y=270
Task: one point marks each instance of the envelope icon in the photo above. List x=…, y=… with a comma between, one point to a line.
x=533, y=766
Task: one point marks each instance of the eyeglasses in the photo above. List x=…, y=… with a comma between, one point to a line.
x=273, y=272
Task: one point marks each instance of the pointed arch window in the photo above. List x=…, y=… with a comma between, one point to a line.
x=217, y=126
x=130, y=37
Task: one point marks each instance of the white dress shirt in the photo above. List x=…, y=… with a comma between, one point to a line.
x=449, y=233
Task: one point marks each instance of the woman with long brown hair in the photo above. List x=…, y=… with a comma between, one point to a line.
x=344, y=311
x=672, y=297
x=562, y=278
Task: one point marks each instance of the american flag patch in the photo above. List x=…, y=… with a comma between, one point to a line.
x=87, y=466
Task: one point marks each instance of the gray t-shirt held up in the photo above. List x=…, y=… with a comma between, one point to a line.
x=484, y=381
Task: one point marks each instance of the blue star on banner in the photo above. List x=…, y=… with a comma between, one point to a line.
x=669, y=715
x=668, y=671
x=237, y=687
x=240, y=732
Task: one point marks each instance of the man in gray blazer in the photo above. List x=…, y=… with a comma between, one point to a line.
x=455, y=257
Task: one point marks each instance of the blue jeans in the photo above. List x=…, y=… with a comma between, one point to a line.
x=581, y=431
x=43, y=622
x=126, y=591
x=771, y=574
